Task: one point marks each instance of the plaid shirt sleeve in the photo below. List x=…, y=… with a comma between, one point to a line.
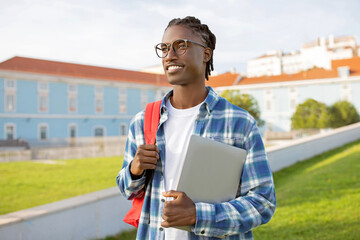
x=256, y=203
x=129, y=187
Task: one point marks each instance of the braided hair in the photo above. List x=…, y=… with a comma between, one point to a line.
x=203, y=31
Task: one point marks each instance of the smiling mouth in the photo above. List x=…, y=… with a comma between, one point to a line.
x=173, y=68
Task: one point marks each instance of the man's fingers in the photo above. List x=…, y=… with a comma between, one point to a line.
x=150, y=147
x=148, y=166
x=148, y=160
x=174, y=194
x=165, y=224
x=148, y=153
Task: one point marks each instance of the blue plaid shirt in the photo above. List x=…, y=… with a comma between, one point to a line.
x=219, y=120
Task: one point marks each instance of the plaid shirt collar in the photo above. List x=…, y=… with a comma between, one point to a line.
x=208, y=104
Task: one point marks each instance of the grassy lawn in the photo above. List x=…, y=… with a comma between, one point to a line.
x=316, y=199
x=27, y=184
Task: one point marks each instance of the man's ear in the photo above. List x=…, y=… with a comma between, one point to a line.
x=207, y=54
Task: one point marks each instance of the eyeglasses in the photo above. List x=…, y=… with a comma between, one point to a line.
x=179, y=46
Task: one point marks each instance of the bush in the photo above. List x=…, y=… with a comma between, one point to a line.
x=314, y=114
x=311, y=114
x=343, y=113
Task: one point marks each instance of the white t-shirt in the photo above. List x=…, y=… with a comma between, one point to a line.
x=178, y=129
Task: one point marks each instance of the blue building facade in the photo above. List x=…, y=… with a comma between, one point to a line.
x=40, y=106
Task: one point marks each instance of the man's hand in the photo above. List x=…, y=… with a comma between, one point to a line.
x=179, y=212
x=146, y=157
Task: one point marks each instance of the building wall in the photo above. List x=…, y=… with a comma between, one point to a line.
x=278, y=101
x=355, y=92
x=57, y=115
x=2, y=96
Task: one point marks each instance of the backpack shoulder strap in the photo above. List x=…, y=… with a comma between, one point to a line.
x=151, y=121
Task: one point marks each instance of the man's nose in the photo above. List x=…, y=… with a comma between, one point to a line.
x=171, y=53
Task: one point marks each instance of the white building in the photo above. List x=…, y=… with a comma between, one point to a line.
x=266, y=65
x=318, y=54
x=279, y=95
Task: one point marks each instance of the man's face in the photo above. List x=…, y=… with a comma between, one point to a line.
x=189, y=67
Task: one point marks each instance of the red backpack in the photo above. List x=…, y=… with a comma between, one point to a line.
x=151, y=122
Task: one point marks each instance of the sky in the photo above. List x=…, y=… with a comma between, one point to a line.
x=122, y=34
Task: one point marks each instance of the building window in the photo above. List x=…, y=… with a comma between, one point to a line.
x=99, y=102
x=122, y=100
x=10, y=132
x=43, y=103
x=123, y=129
x=99, y=90
x=268, y=105
x=10, y=84
x=10, y=102
x=72, y=131
x=99, y=105
x=99, y=132
x=43, y=93
x=72, y=97
x=72, y=88
x=144, y=98
x=43, y=132
x=72, y=103
x=43, y=86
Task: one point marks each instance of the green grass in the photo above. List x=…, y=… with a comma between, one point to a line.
x=316, y=199
x=27, y=184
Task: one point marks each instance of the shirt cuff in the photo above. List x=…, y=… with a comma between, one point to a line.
x=205, y=216
x=206, y=221
x=133, y=185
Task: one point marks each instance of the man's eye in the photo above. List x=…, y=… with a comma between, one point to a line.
x=182, y=45
x=164, y=48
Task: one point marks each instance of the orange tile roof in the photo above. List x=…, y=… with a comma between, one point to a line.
x=316, y=73
x=31, y=65
x=229, y=79
x=226, y=79
x=353, y=63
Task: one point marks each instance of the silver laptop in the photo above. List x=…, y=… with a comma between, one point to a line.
x=212, y=170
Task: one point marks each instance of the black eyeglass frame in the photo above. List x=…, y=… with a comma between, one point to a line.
x=172, y=46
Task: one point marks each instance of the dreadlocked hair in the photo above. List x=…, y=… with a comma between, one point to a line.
x=203, y=31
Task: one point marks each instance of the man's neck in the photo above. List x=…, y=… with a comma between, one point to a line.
x=188, y=96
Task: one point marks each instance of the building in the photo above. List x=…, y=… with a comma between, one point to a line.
x=279, y=95
x=318, y=54
x=48, y=101
x=267, y=65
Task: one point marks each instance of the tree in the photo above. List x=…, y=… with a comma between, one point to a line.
x=310, y=114
x=343, y=113
x=245, y=101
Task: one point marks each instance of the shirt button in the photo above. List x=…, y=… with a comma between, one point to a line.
x=202, y=232
x=162, y=200
x=161, y=229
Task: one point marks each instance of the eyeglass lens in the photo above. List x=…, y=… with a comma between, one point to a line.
x=179, y=46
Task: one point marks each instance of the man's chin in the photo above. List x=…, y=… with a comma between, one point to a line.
x=176, y=81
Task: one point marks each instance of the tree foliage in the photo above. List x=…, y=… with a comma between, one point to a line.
x=245, y=101
x=343, y=113
x=310, y=114
x=314, y=114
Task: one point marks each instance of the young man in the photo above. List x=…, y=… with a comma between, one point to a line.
x=192, y=108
